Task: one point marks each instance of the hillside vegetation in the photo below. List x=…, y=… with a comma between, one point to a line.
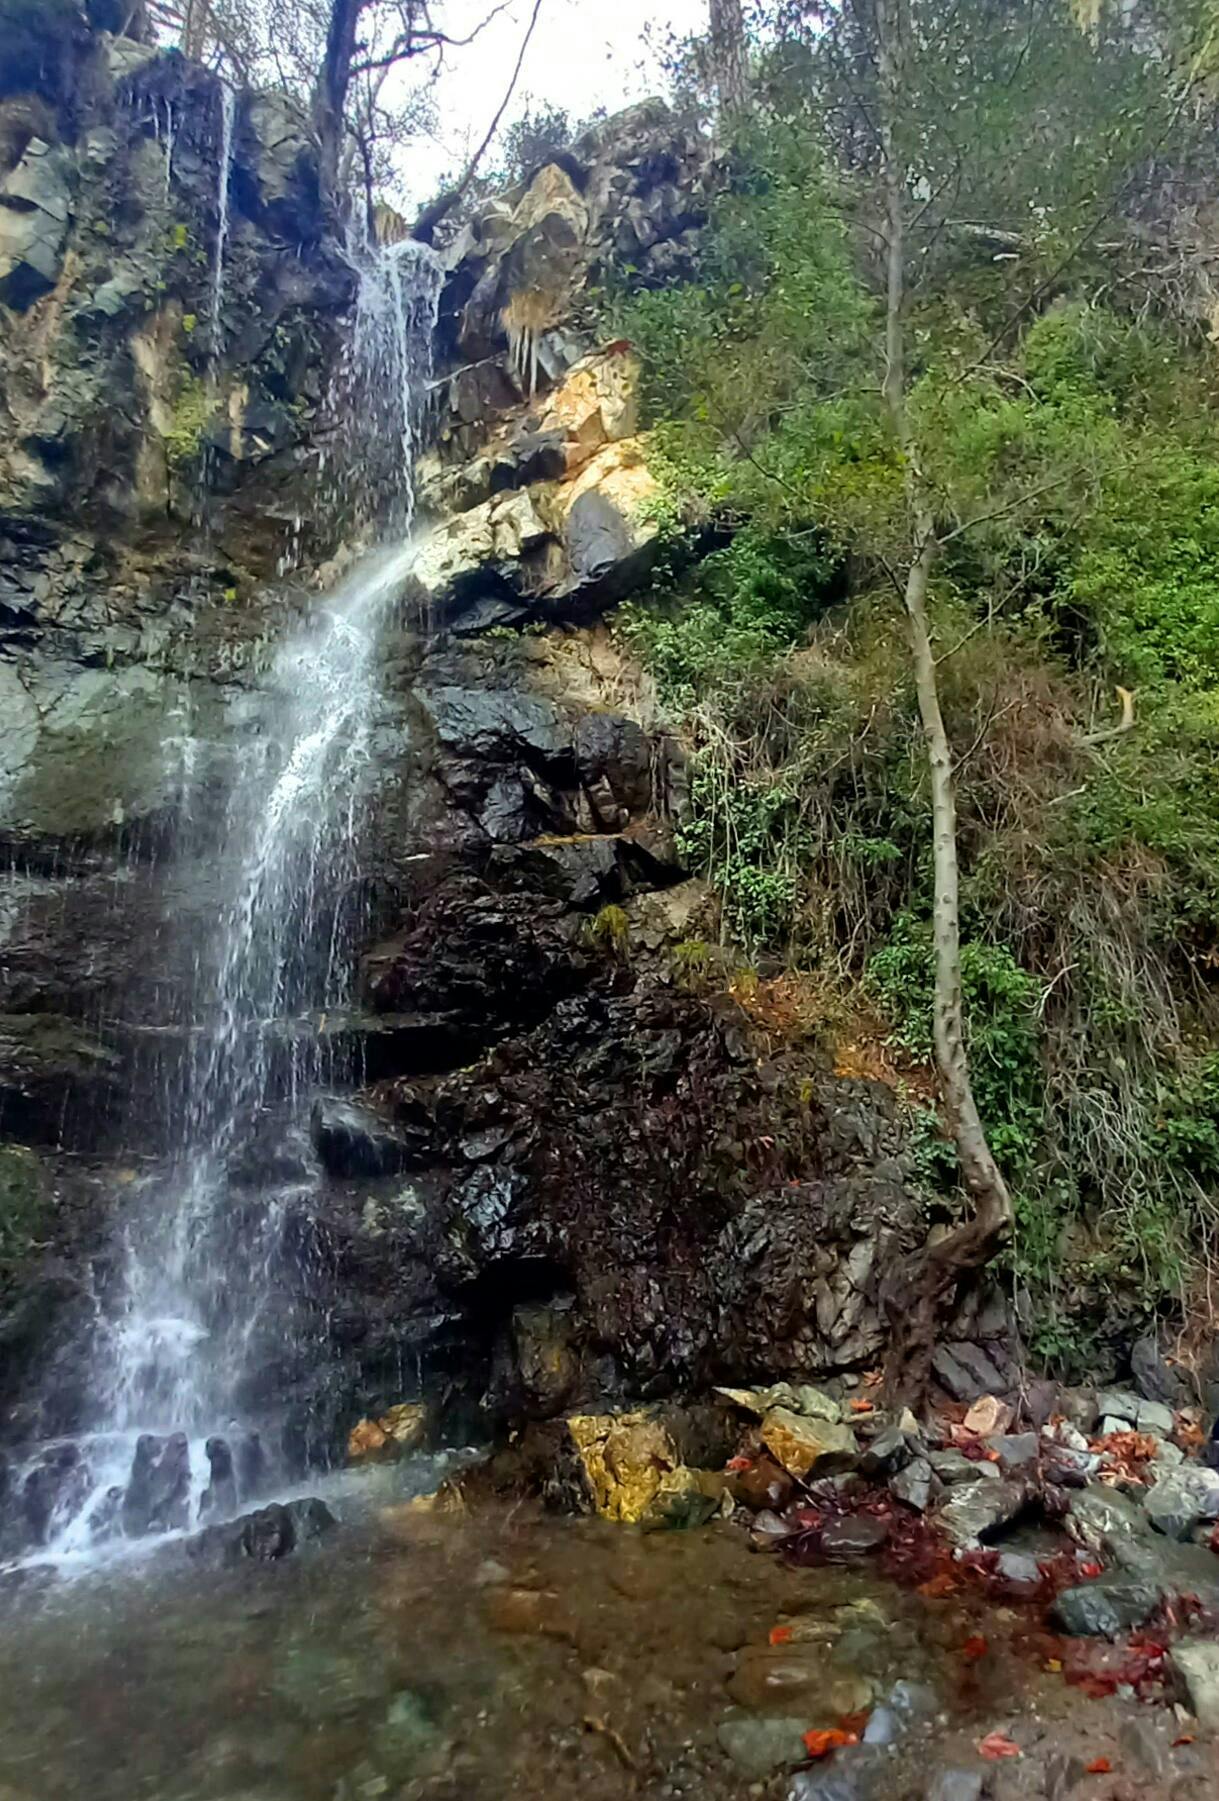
x=1063, y=388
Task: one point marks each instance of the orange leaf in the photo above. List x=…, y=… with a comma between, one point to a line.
x=943, y=1584
x=781, y=1635
x=859, y=1405
x=974, y=1647
x=739, y=1463
x=830, y=1738
x=1090, y=1569
x=1100, y=1766
x=1186, y=1738
x=855, y=1722
x=996, y=1745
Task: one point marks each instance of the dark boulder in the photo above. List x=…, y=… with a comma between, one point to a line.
x=263, y=1536
x=220, y=1495
x=351, y=1141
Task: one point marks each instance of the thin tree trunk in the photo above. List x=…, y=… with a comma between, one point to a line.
x=330, y=98
x=916, y=1293
x=729, y=57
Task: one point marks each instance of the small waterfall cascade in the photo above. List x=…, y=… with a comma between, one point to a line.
x=228, y=119
x=206, y=1310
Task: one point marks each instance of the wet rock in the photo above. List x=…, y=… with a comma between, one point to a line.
x=954, y=1467
x=137, y=1500
x=1018, y=1452
x=956, y=1785
x=1181, y=1499
x=1153, y=1377
x=765, y=1485
x=808, y=1447
x=253, y=1467
x=220, y=1495
x=54, y=1490
x=169, y=1487
x=351, y=1141
x=35, y=207
x=1019, y=1571
x=914, y=1484
x=1101, y=1519
x=263, y=1536
x=856, y=1773
x=853, y=1538
x=967, y=1372
x=772, y=1678
x=1155, y=1417
x=1197, y=1664
x=402, y=1428
x=980, y=1511
x=758, y=1744
x=632, y=1468
x=800, y=1398
x=1119, y=1404
x=1105, y=1608
x=886, y=1454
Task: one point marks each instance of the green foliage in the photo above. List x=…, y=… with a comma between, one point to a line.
x=23, y=1201
x=1001, y=1002
x=192, y=409
x=610, y=929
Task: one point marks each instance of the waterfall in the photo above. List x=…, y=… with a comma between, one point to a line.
x=228, y=115
x=206, y=1291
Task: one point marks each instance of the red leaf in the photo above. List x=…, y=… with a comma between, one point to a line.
x=855, y=1722
x=1091, y=1569
x=1100, y=1766
x=739, y=1463
x=859, y=1405
x=781, y=1635
x=996, y=1745
x=975, y=1647
x=943, y=1584
x=830, y=1738
x=1186, y=1738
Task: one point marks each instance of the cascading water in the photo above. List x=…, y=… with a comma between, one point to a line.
x=228, y=118
x=203, y=1300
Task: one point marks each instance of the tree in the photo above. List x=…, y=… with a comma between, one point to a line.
x=729, y=57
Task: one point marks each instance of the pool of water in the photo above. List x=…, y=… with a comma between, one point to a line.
x=471, y=1656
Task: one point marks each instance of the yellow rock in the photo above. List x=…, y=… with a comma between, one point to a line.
x=402, y=1428
x=635, y=1474
x=808, y=1447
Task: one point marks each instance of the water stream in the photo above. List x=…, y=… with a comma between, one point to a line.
x=207, y=1282
x=228, y=116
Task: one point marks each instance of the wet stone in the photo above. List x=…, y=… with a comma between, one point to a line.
x=220, y=1495
x=1181, y=1499
x=956, y=1785
x=1197, y=1664
x=979, y=1511
x=758, y=1744
x=955, y=1466
x=1119, y=1404
x=913, y=1484
x=848, y=1540
x=1104, y=1609
x=886, y=1454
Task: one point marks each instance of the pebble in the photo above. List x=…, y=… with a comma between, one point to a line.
x=758, y=1743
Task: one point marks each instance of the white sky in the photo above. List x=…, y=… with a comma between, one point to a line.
x=583, y=54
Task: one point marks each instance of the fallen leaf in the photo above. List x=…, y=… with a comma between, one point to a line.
x=859, y=1405
x=781, y=1635
x=1100, y=1766
x=975, y=1647
x=1090, y=1569
x=739, y=1463
x=819, y=1743
x=943, y=1584
x=1186, y=1738
x=996, y=1745
x=1053, y=1665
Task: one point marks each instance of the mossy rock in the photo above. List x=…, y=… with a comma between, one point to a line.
x=24, y=1199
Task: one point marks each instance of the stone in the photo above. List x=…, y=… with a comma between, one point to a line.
x=1197, y=1664
x=966, y=1372
x=808, y=1447
x=811, y=1403
x=1181, y=1499
x=35, y=208
x=765, y=1485
x=956, y=1785
x=633, y=1471
x=1148, y=1743
x=1154, y=1416
x=886, y=1454
x=988, y=1415
x=913, y=1485
x=980, y=1511
x=953, y=1466
x=1153, y=1377
x=1113, y=1422
x=1105, y=1608
x=352, y=1141
x=854, y=1537
x=54, y=1490
x=220, y=1495
x=1119, y=1404
x=1018, y=1451
x=402, y=1428
x=263, y=1536
x=758, y=1744
x=1171, y=1456
x=850, y=1775
x=1100, y=1519
x=1019, y=1571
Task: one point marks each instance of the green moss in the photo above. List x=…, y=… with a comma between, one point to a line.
x=611, y=930
x=23, y=1200
x=192, y=409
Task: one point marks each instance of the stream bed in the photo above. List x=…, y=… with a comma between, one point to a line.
x=509, y=1653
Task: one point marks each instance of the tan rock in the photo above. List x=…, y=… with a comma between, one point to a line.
x=634, y=1471
x=596, y=405
x=808, y=1447
x=403, y=1428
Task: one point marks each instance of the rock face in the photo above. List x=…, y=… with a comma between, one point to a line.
x=569, y=1182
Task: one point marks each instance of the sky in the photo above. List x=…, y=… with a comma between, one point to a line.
x=583, y=54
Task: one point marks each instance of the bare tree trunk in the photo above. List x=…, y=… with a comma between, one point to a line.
x=915, y=1294
x=729, y=57
x=330, y=97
